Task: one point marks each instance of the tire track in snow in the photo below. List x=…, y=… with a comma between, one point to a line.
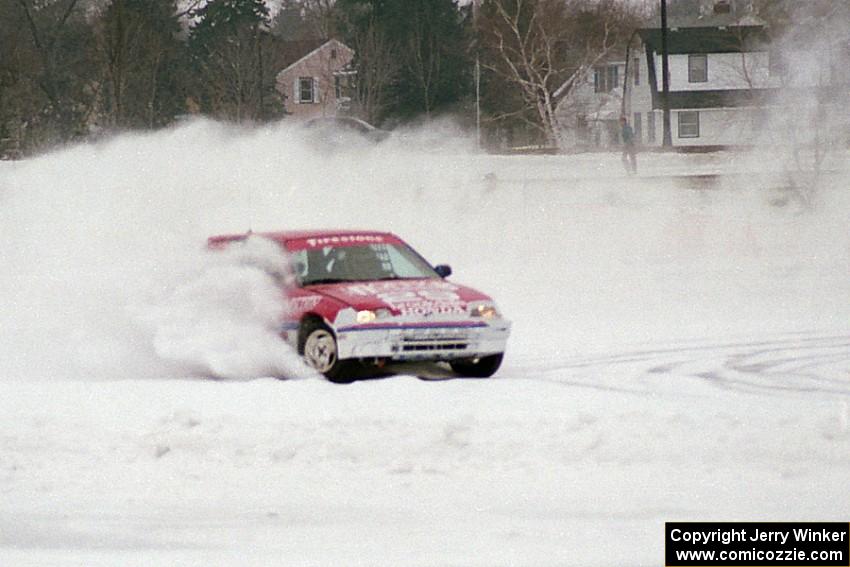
x=796, y=364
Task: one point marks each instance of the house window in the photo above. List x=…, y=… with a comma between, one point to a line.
x=636, y=67
x=697, y=68
x=306, y=93
x=333, y=53
x=638, y=127
x=689, y=124
x=606, y=79
x=650, y=126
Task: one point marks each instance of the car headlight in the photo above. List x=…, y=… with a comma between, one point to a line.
x=484, y=310
x=367, y=316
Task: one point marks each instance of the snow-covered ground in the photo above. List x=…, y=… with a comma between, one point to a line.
x=678, y=354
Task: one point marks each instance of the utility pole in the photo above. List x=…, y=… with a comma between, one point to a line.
x=667, y=140
x=476, y=6
x=478, y=100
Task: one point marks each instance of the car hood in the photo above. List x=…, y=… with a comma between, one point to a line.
x=404, y=297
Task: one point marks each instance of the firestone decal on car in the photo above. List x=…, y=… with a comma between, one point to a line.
x=344, y=239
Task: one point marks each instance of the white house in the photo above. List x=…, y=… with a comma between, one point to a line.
x=589, y=116
x=727, y=78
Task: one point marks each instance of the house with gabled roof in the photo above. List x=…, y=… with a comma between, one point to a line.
x=720, y=79
x=316, y=78
x=726, y=74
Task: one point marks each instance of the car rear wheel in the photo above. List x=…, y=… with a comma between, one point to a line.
x=317, y=344
x=483, y=367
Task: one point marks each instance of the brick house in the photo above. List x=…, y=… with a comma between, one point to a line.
x=316, y=79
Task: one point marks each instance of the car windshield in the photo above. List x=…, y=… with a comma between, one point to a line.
x=369, y=262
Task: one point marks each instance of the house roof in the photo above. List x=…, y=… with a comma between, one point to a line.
x=733, y=39
x=705, y=13
x=292, y=52
x=706, y=40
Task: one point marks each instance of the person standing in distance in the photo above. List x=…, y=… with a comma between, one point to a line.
x=629, y=150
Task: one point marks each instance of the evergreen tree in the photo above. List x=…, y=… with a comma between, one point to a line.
x=437, y=73
x=300, y=20
x=229, y=53
x=415, y=51
x=289, y=23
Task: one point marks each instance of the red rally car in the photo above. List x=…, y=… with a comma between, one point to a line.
x=367, y=298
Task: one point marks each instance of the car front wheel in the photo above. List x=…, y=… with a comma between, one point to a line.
x=483, y=367
x=318, y=346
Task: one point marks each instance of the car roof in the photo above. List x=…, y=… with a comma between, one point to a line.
x=284, y=235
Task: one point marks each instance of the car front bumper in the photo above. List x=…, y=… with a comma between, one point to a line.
x=444, y=341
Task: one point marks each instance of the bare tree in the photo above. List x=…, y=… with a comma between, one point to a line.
x=136, y=43
x=545, y=48
x=377, y=66
x=59, y=45
x=423, y=51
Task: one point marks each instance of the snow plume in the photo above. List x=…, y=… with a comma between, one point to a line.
x=806, y=128
x=106, y=274
x=95, y=234
x=222, y=318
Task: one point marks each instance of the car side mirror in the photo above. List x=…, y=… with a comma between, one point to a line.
x=443, y=270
